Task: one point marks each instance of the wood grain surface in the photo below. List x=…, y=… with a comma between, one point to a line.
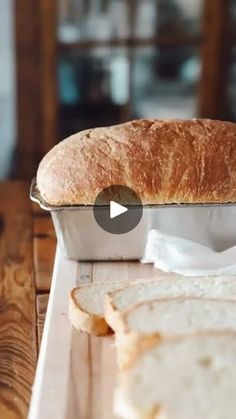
x=18, y=347
x=92, y=377
x=93, y=361
x=76, y=372
x=44, y=245
x=42, y=303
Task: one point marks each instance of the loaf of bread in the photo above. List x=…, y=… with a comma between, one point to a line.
x=177, y=161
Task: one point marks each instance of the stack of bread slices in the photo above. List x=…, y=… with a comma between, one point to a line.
x=175, y=341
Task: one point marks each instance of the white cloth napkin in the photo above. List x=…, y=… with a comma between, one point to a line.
x=185, y=257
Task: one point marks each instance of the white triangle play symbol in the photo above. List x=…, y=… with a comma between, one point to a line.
x=116, y=209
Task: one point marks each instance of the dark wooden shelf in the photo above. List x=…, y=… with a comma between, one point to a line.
x=162, y=40
x=37, y=49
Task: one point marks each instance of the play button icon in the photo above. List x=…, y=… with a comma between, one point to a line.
x=117, y=209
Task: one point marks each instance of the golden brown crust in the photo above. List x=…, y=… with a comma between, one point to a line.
x=84, y=321
x=130, y=346
x=113, y=317
x=177, y=161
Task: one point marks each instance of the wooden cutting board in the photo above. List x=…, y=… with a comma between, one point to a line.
x=76, y=373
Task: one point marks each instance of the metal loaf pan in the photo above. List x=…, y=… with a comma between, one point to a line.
x=81, y=238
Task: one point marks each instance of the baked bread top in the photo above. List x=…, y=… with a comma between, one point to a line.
x=191, y=161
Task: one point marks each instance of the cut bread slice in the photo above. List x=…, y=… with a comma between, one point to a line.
x=119, y=301
x=145, y=323
x=181, y=378
x=86, y=306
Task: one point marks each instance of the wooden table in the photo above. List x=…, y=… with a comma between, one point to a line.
x=27, y=248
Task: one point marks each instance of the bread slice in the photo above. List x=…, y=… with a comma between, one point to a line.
x=86, y=306
x=145, y=323
x=119, y=301
x=181, y=378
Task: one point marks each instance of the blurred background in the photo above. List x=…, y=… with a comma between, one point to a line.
x=67, y=65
